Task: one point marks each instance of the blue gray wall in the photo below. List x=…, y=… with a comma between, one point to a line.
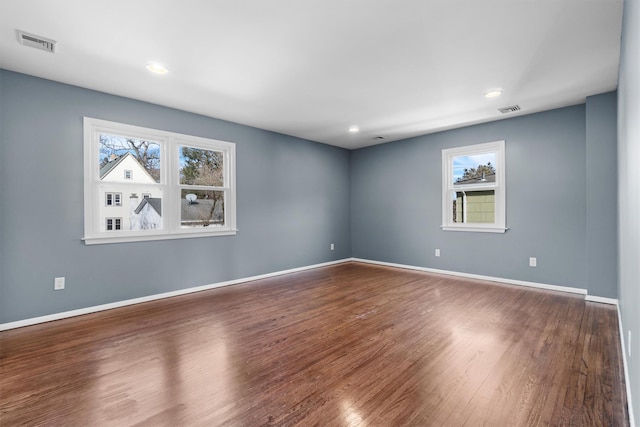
x=629, y=191
x=292, y=201
x=295, y=197
x=396, y=200
x=602, y=195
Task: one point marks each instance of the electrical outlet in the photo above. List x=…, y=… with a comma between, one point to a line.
x=437, y=252
x=332, y=247
x=629, y=343
x=533, y=262
x=58, y=283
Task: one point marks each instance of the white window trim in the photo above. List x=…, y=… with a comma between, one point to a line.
x=499, y=226
x=169, y=184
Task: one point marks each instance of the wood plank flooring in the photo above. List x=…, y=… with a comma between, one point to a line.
x=347, y=345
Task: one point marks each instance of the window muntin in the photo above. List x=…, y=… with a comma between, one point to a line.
x=473, y=189
x=143, y=175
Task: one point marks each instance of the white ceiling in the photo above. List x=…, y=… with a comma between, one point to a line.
x=313, y=68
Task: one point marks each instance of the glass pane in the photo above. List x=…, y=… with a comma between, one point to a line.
x=476, y=169
x=130, y=160
x=474, y=207
x=127, y=203
x=201, y=208
x=201, y=167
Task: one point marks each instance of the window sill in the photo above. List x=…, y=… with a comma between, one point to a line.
x=501, y=230
x=154, y=237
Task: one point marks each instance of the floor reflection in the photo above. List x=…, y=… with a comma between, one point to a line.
x=352, y=417
x=172, y=376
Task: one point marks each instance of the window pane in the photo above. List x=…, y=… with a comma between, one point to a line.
x=145, y=213
x=474, y=207
x=201, y=208
x=136, y=212
x=129, y=160
x=476, y=169
x=201, y=167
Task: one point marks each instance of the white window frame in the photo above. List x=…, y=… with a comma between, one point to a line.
x=128, y=174
x=499, y=188
x=116, y=199
x=114, y=224
x=169, y=184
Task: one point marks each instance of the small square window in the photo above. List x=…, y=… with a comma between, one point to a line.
x=113, y=199
x=114, y=224
x=128, y=174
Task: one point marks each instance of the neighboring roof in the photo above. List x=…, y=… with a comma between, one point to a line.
x=487, y=178
x=200, y=210
x=154, y=202
x=104, y=170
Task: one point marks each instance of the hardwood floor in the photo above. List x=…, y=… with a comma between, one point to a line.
x=347, y=345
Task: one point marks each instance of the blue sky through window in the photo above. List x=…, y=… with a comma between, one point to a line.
x=460, y=163
x=118, y=145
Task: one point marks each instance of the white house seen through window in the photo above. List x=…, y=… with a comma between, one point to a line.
x=473, y=188
x=155, y=184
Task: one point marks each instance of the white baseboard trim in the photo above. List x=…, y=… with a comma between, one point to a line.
x=632, y=422
x=103, y=307
x=602, y=300
x=478, y=276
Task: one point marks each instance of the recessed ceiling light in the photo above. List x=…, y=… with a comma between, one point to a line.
x=493, y=93
x=354, y=129
x=154, y=67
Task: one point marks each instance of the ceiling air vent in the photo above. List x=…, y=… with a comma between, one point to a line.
x=38, y=42
x=511, y=109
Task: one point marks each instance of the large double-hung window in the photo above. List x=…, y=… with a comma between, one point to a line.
x=145, y=184
x=473, y=188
